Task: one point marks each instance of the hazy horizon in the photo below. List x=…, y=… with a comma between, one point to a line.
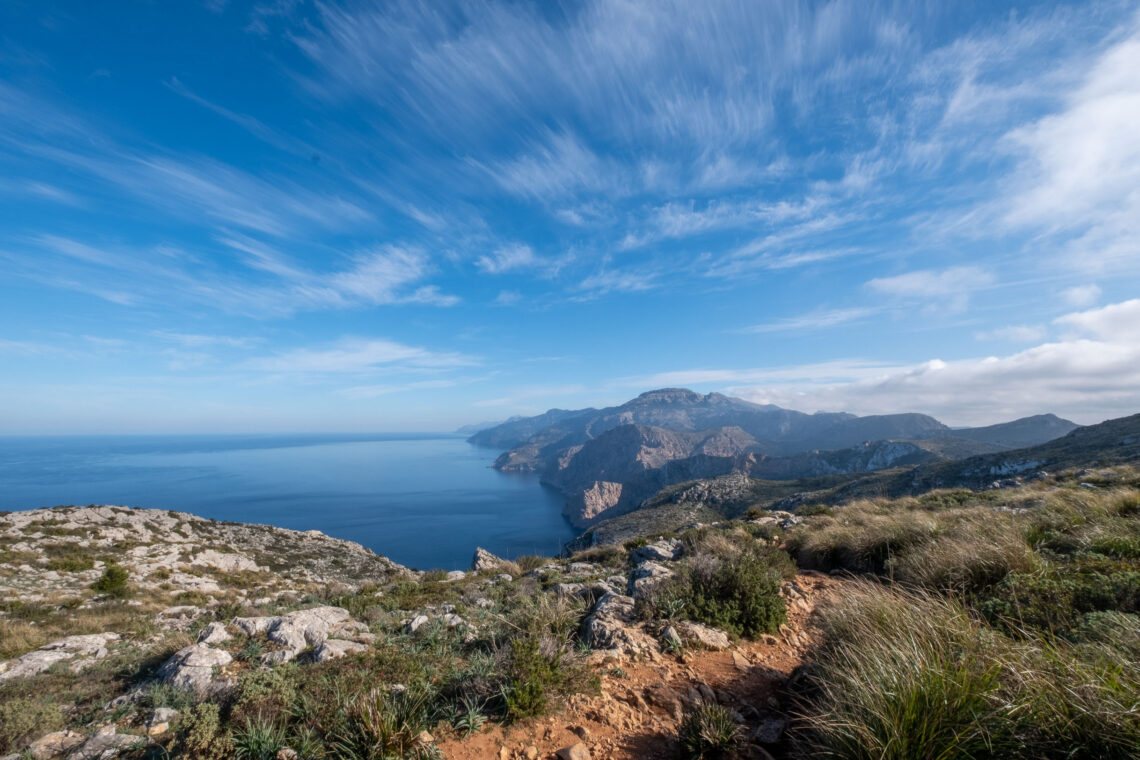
x=227, y=217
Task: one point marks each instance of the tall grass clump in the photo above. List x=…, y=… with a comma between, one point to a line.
x=708, y=732
x=912, y=674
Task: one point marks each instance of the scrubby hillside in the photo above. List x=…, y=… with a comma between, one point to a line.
x=993, y=624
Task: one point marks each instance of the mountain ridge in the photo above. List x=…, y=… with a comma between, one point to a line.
x=607, y=461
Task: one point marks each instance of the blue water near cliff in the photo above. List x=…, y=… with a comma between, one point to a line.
x=425, y=501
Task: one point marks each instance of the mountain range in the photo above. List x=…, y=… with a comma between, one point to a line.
x=608, y=461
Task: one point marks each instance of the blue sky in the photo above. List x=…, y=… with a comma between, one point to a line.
x=293, y=215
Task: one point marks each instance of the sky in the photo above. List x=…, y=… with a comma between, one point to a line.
x=221, y=216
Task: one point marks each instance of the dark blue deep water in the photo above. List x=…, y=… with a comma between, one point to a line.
x=424, y=500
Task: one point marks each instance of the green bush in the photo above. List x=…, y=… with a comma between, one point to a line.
x=534, y=676
x=22, y=720
x=708, y=731
x=266, y=692
x=201, y=736
x=113, y=581
x=738, y=594
x=1055, y=597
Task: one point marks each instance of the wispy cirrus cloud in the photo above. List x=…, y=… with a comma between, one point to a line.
x=948, y=288
x=359, y=355
x=815, y=320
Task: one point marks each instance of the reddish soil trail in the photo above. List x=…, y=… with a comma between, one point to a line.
x=641, y=705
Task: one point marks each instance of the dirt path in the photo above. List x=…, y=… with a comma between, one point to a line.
x=641, y=703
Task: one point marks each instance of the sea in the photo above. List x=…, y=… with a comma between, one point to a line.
x=423, y=500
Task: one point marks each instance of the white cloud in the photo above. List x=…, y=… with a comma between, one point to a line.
x=508, y=258
x=359, y=355
x=951, y=288
x=529, y=393
x=361, y=392
x=1081, y=295
x=508, y=298
x=618, y=281
x=1080, y=174
x=1115, y=322
x=1014, y=333
x=815, y=320
x=1089, y=376
x=197, y=340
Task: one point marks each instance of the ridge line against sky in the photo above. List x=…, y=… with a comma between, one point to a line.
x=359, y=216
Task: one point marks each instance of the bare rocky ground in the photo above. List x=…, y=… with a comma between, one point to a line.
x=211, y=602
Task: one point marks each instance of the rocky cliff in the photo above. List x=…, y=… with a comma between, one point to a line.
x=607, y=461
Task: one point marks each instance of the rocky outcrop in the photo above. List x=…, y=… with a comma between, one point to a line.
x=196, y=669
x=704, y=635
x=78, y=652
x=297, y=631
x=105, y=744
x=612, y=625
x=176, y=549
x=331, y=649
x=484, y=561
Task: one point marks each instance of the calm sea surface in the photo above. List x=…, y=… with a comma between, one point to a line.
x=425, y=501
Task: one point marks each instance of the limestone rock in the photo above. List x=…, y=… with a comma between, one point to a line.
x=192, y=669
x=645, y=576
x=225, y=562
x=104, y=745
x=79, y=651
x=331, y=649
x=54, y=745
x=159, y=721
x=706, y=636
x=298, y=630
x=416, y=623
x=485, y=561
x=577, y=751
x=661, y=551
x=214, y=633
x=612, y=625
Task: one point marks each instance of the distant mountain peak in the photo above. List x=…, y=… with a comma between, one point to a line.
x=670, y=396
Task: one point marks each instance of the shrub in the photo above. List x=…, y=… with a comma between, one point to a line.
x=22, y=720
x=739, y=594
x=264, y=693
x=534, y=675
x=708, y=731
x=201, y=736
x=113, y=581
